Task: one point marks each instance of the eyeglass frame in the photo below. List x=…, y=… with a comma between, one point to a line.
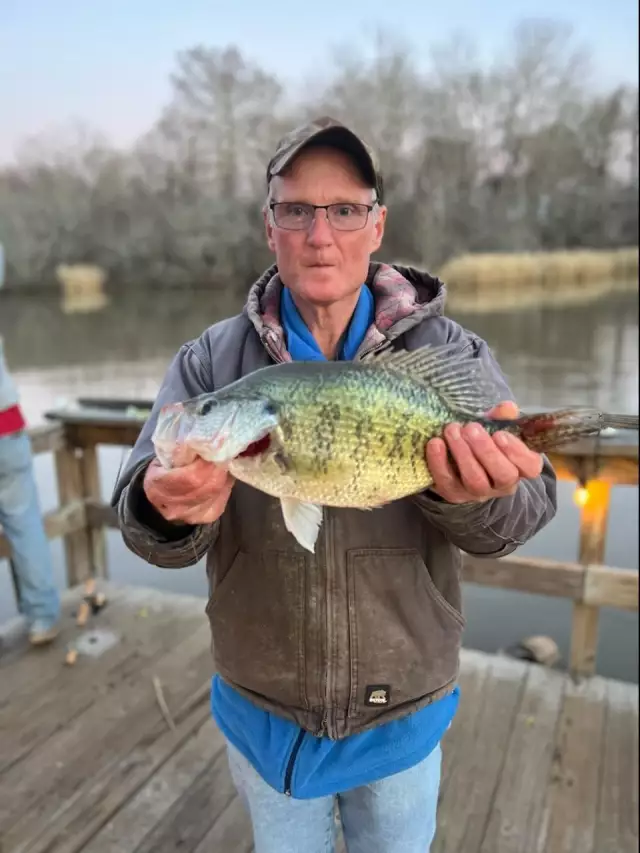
x=326, y=207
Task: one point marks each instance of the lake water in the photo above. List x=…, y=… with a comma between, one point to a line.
x=579, y=355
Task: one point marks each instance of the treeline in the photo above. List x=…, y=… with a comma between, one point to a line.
x=519, y=154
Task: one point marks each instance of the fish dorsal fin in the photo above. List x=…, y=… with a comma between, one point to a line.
x=459, y=378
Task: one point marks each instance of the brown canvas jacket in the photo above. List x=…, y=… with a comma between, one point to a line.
x=369, y=628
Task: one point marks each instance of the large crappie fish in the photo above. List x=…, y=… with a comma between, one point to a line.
x=348, y=434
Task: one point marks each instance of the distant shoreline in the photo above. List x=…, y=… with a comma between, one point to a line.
x=506, y=281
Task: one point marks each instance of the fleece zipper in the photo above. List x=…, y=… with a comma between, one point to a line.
x=291, y=763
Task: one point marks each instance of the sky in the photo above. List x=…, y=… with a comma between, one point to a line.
x=106, y=63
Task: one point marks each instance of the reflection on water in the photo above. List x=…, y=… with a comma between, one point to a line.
x=586, y=355
x=579, y=354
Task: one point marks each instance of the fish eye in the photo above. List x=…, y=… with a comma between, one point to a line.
x=206, y=407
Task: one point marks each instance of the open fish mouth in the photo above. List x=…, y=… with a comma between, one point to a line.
x=183, y=433
x=255, y=448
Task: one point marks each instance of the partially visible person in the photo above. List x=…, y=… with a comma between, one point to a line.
x=21, y=518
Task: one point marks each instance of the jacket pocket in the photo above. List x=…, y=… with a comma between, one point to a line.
x=405, y=636
x=257, y=625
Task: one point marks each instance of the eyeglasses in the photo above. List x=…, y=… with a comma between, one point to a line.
x=298, y=216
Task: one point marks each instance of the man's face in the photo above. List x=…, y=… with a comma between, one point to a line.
x=322, y=264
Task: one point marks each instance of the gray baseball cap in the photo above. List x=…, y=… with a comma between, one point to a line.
x=327, y=131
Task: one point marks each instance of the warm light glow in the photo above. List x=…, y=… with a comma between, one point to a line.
x=581, y=496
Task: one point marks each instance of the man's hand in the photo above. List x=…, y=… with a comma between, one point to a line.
x=195, y=493
x=487, y=466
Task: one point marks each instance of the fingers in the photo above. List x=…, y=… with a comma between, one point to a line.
x=497, y=468
x=204, y=512
x=195, y=494
x=480, y=466
x=198, y=478
x=528, y=462
x=473, y=476
x=446, y=481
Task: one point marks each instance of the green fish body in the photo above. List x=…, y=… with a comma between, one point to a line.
x=347, y=434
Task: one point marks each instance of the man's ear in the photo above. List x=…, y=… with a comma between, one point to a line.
x=378, y=228
x=268, y=227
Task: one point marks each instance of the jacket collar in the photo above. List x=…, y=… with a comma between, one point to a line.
x=404, y=297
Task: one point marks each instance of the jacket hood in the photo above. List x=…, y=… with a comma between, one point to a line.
x=404, y=297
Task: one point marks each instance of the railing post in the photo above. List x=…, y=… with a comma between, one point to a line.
x=593, y=530
x=91, y=491
x=70, y=490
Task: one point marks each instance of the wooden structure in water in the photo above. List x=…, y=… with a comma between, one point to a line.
x=504, y=281
x=118, y=753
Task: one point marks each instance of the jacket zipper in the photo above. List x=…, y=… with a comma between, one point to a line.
x=292, y=760
x=327, y=720
x=375, y=349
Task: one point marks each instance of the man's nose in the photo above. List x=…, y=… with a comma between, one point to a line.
x=320, y=232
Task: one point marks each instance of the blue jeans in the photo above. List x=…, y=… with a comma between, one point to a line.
x=21, y=519
x=394, y=815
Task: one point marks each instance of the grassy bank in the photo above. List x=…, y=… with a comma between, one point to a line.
x=494, y=282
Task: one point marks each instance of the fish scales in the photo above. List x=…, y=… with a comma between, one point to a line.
x=354, y=436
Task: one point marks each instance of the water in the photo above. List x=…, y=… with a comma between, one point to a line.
x=553, y=357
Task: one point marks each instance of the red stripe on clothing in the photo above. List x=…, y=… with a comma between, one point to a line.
x=11, y=420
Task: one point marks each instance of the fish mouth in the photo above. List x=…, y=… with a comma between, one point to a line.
x=179, y=425
x=256, y=448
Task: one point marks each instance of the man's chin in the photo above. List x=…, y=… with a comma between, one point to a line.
x=319, y=277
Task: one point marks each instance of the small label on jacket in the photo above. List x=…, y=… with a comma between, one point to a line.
x=377, y=694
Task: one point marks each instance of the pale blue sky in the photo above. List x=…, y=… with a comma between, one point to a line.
x=107, y=62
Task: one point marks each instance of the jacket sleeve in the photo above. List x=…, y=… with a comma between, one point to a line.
x=144, y=530
x=496, y=527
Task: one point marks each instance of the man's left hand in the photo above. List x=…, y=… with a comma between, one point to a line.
x=487, y=466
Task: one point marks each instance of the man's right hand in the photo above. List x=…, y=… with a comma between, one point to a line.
x=196, y=493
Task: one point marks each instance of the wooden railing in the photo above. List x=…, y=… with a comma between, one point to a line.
x=82, y=519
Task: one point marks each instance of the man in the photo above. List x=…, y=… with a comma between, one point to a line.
x=21, y=518
x=336, y=672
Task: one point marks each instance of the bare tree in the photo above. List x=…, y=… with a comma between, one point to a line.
x=521, y=152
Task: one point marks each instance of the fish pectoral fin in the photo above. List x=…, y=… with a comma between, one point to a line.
x=302, y=520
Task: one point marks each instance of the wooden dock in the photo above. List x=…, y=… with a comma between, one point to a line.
x=118, y=753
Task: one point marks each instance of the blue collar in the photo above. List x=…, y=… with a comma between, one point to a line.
x=302, y=345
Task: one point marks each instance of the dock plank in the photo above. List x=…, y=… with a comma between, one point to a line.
x=617, y=830
x=141, y=642
x=517, y=810
x=22, y=671
x=104, y=794
x=187, y=823
x=140, y=813
x=569, y=820
x=478, y=742
x=473, y=675
x=106, y=731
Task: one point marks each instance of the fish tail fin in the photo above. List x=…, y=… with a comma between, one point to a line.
x=547, y=430
x=621, y=421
